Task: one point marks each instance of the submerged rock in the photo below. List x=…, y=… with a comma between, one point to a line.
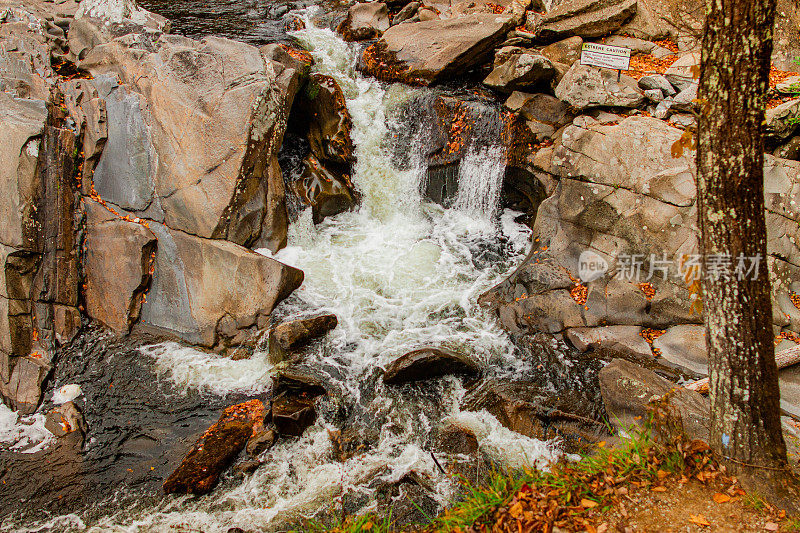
x=216, y=449
x=293, y=413
x=261, y=442
x=288, y=336
x=428, y=363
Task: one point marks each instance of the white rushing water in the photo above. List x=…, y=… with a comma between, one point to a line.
x=399, y=273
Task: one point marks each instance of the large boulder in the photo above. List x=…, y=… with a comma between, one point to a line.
x=211, y=292
x=586, y=18
x=626, y=204
x=427, y=52
x=585, y=87
x=216, y=449
x=205, y=123
x=325, y=190
x=322, y=106
x=115, y=288
x=365, y=20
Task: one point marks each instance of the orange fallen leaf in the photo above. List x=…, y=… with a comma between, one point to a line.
x=662, y=474
x=659, y=489
x=700, y=520
x=721, y=498
x=771, y=526
x=588, y=504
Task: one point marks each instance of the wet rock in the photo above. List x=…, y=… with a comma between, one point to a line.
x=586, y=18
x=585, y=87
x=522, y=407
x=216, y=449
x=433, y=51
x=365, y=20
x=301, y=379
x=428, y=363
x=292, y=413
x=289, y=336
x=198, y=282
x=260, y=442
x=456, y=440
x=327, y=191
x=521, y=71
x=540, y=108
x=790, y=150
x=628, y=389
x=65, y=419
x=115, y=289
x=323, y=106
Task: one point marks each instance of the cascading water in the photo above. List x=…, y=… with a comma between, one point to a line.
x=399, y=273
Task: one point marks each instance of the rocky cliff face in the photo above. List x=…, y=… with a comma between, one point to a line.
x=136, y=189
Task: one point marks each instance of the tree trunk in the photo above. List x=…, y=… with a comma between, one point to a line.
x=746, y=426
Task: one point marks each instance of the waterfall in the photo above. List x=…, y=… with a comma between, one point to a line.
x=399, y=273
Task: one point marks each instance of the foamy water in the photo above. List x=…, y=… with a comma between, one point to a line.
x=399, y=273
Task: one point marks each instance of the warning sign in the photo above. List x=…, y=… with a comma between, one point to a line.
x=603, y=55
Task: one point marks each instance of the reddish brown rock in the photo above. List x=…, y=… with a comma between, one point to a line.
x=329, y=122
x=327, y=192
x=199, y=471
x=293, y=413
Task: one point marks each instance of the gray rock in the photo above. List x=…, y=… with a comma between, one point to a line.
x=684, y=346
x=628, y=389
x=684, y=72
x=625, y=339
x=586, y=18
x=407, y=12
x=585, y=87
x=781, y=120
x=521, y=71
x=657, y=81
x=197, y=282
x=654, y=95
x=119, y=255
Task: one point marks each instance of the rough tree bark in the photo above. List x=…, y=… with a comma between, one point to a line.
x=746, y=426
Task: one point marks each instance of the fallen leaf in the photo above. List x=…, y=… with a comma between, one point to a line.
x=659, y=489
x=662, y=474
x=601, y=444
x=721, y=498
x=367, y=526
x=700, y=520
x=602, y=528
x=588, y=504
x=771, y=526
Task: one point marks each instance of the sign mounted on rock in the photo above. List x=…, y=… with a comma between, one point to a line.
x=603, y=55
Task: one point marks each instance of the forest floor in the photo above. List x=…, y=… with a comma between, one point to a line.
x=639, y=485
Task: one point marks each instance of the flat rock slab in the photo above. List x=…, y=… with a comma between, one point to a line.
x=289, y=336
x=427, y=52
x=216, y=449
x=428, y=363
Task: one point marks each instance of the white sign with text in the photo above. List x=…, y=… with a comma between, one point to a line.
x=603, y=55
